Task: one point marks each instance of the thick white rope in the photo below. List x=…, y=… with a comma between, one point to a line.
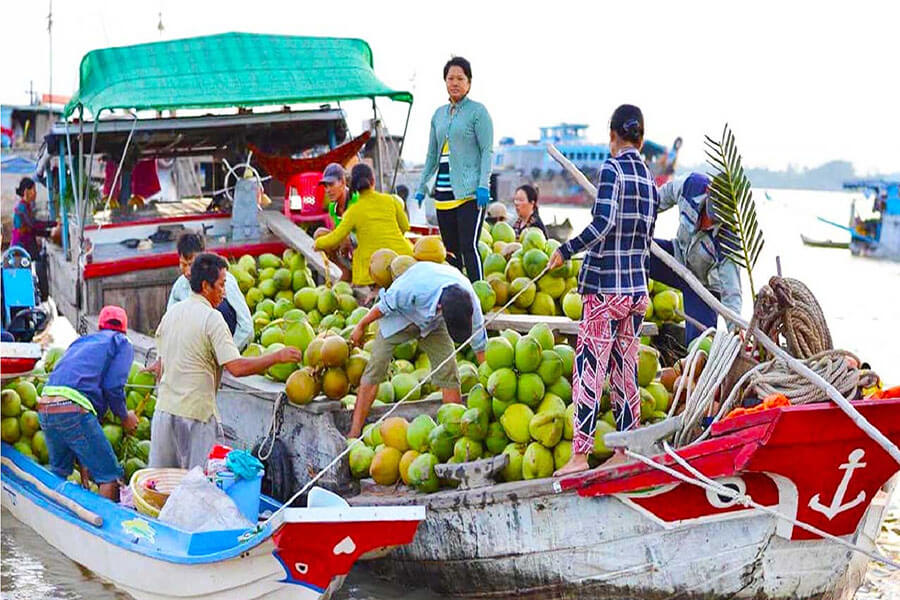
x=688, y=371
x=711, y=301
x=397, y=404
x=701, y=481
x=724, y=350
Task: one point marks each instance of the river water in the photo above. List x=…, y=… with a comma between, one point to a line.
x=856, y=295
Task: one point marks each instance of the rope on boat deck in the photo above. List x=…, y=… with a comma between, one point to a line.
x=699, y=399
x=788, y=308
x=775, y=376
x=397, y=404
x=702, y=481
x=762, y=338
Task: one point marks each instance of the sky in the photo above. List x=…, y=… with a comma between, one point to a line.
x=800, y=83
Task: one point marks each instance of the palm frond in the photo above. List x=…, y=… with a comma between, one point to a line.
x=731, y=196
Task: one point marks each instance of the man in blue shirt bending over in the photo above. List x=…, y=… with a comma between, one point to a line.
x=434, y=304
x=87, y=381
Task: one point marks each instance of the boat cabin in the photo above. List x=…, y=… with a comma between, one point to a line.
x=164, y=143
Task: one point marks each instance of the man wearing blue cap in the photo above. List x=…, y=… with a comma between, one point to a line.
x=335, y=181
x=696, y=246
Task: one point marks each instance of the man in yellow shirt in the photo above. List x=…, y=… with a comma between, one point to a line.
x=194, y=344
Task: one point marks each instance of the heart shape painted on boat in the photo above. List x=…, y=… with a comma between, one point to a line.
x=345, y=546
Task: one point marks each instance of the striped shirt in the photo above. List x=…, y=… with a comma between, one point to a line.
x=617, y=241
x=443, y=191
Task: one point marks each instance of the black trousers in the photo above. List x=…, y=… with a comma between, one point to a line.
x=459, y=230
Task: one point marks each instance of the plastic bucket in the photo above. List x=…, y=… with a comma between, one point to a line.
x=245, y=493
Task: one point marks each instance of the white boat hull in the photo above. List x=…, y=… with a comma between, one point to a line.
x=565, y=546
x=254, y=575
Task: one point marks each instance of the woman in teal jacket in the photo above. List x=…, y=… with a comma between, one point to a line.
x=459, y=153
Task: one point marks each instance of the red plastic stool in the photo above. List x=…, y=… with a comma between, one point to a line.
x=311, y=205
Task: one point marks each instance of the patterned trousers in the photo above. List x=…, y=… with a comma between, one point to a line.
x=607, y=344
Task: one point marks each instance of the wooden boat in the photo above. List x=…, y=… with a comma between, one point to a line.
x=114, y=262
x=303, y=553
x=807, y=241
x=315, y=433
x=636, y=532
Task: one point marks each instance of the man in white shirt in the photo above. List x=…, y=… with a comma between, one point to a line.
x=233, y=308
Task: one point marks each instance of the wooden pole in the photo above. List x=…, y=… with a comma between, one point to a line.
x=80, y=511
x=776, y=350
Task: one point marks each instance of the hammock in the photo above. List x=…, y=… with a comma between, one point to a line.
x=283, y=167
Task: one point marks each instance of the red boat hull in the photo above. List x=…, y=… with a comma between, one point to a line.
x=811, y=462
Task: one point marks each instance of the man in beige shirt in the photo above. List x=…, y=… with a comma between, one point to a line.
x=194, y=344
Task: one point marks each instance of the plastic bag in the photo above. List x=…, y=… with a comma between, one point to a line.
x=198, y=505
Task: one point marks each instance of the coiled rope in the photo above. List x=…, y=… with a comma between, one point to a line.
x=787, y=308
x=837, y=367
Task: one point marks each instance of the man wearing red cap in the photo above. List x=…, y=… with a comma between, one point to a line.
x=87, y=381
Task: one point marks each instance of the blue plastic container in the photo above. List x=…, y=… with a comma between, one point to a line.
x=244, y=492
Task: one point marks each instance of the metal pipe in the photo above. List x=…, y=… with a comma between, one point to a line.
x=379, y=171
x=400, y=151
x=63, y=208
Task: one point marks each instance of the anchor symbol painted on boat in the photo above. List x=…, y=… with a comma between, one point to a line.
x=837, y=506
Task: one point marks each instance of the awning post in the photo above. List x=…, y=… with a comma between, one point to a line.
x=400, y=151
x=379, y=170
x=63, y=207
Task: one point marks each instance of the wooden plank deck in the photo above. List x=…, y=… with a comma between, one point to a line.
x=563, y=325
x=296, y=238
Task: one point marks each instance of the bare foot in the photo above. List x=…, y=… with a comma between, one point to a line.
x=576, y=464
x=619, y=458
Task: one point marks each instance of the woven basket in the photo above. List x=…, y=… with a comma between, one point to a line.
x=150, y=501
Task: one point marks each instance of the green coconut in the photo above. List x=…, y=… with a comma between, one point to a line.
x=449, y=415
x=551, y=367
x=572, y=305
x=360, y=459
x=440, y=442
x=502, y=384
x=515, y=420
x=562, y=452
x=480, y=398
x=406, y=387
x=528, y=291
x=567, y=354
x=537, y=462
x=421, y=473
x=529, y=389
x=513, y=470
x=418, y=431
x=474, y=424
x=528, y=354
x=467, y=449
x=499, y=353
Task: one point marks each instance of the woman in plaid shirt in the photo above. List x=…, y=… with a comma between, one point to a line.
x=613, y=285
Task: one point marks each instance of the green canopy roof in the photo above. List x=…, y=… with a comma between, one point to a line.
x=229, y=69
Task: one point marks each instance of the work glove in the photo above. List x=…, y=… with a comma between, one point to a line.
x=420, y=198
x=482, y=196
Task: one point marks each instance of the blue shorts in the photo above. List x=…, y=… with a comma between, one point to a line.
x=79, y=435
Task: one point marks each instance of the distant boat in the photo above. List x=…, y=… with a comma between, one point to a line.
x=823, y=243
x=515, y=164
x=559, y=231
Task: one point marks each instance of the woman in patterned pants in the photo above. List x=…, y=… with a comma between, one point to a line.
x=613, y=285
